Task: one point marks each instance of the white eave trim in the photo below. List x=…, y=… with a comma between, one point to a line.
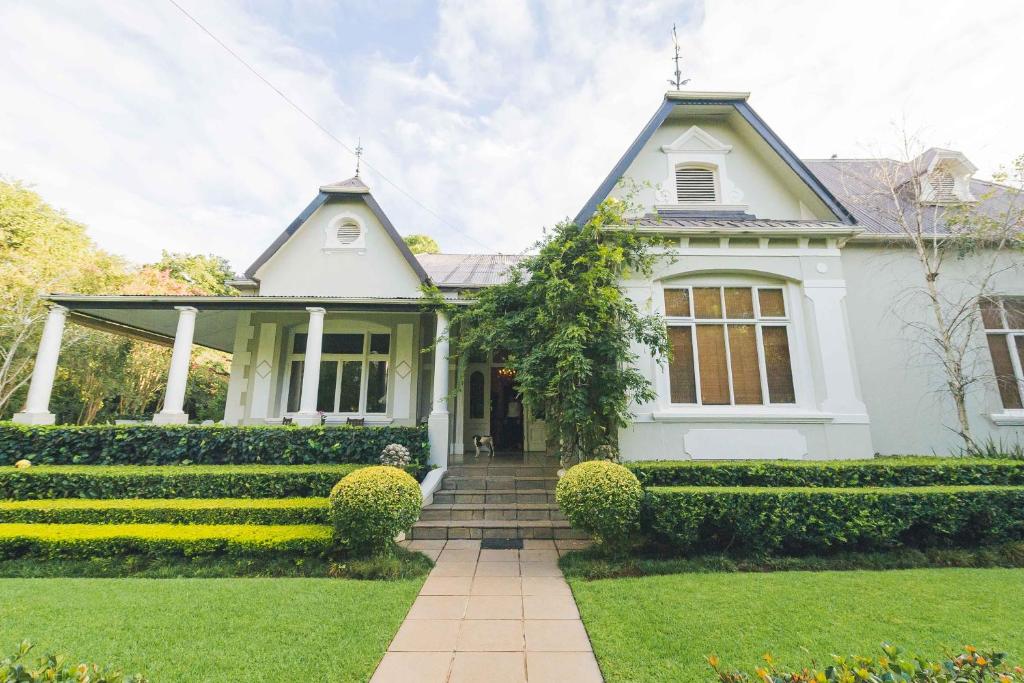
x=684, y=95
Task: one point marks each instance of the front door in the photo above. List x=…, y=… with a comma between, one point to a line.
x=477, y=406
x=506, y=410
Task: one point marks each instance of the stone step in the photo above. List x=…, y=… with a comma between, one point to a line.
x=491, y=511
x=495, y=496
x=487, y=528
x=478, y=471
x=492, y=482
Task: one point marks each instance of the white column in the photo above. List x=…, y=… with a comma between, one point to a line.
x=307, y=414
x=37, y=405
x=437, y=423
x=173, y=411
x=836, y=351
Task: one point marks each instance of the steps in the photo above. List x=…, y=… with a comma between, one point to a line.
x=495, y=500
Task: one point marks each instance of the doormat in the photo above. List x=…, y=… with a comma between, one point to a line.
x=501, y=544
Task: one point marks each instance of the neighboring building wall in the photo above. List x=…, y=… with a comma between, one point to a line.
x=911, y=413
x=828, y=419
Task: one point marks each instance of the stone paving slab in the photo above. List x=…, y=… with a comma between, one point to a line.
x=492, y=616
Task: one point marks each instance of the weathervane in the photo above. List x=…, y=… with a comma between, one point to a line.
x=678, y=81
x=359, y=154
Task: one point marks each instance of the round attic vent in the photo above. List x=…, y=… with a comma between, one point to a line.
x=348, y=232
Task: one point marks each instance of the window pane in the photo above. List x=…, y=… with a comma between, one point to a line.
x=295, y=386
x=351, y=377
x=991, y=314
x=677, y=302
x=299, y=345
x=708, y=302
x=739, y=302
x=714, y=375
x=772, y=303
x=476, y=396
x=1014, y=306
x=377, y=387
x=1009, y=390
x=380, y=343
x=343, y=343
x=682, y=386
x=746, y=373
x=777, y=365
x=325, y=390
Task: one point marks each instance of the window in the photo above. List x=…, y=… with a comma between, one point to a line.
x=476, y=395
x=353, y=373
x=1003, y=318
x=730, y=346
x=695, y=185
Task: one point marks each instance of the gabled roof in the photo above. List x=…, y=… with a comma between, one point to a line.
x=353, y=188
x=738, y=101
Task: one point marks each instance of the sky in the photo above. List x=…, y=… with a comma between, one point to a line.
x=482, y=121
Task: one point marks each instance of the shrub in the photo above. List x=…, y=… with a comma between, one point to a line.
x=813, y=520
x=371, y=506
x=167, y=511
x=395, y=455
x=893, y=471
x=603, y=499
x=79, y=541
x=16, y=668
x=193, y=481
x=971, y=665
x=203, y=445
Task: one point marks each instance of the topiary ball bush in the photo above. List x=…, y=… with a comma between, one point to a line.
x=372, y=505
x=603, y=499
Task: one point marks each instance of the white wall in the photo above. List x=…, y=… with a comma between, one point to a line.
x=902, y=383
x=302, y=267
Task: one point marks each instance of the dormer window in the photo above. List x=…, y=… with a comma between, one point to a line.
x=943, y=186
x=945, y=177
x=344, y=233
x=695, y=185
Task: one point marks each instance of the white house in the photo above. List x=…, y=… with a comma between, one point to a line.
x=777, y=293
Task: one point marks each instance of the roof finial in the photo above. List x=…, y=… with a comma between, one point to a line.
x=359, y=154
x=678, y=82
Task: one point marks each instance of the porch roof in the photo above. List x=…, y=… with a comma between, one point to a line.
x=154, y=318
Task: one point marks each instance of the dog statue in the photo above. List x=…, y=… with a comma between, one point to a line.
x=486, y=441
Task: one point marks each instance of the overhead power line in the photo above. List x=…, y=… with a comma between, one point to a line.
x=325, y=130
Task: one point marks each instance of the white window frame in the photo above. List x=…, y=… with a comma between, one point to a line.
x=758, y=321
x=1010, y=336
x=365, y=357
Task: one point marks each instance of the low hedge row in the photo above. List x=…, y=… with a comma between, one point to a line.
x=79, y=541
x=817, y=520
x=167, y=511
x=170, y=481
x=891, y=471
x=203, y=445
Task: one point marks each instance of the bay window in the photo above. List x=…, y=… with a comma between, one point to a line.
x=353, y=373
x=1003, y=319
x=730, y=346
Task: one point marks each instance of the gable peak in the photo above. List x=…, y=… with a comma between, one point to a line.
x=696, y=139
x=353, y=185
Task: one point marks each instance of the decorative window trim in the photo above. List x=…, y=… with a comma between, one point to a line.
x=959, y=169
x=338, y=235
x=698, y=148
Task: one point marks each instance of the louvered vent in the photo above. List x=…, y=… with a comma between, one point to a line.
x=348, y=232
x=943, y=187
x=695, y=185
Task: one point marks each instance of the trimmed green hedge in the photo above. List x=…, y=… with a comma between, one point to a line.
x=818, y=520
x=891, y=471
x=94, y=540
x=199, y=445
x=170, y=481
x=166, y=511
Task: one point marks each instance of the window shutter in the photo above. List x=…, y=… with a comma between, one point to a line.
x=695, y=185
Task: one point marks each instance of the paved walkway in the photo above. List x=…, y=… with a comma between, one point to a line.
x=491, y=616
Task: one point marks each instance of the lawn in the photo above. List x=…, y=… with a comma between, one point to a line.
x=660, y=628
x=190, y=630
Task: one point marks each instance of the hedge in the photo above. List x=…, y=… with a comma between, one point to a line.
x=170, y=481
x=818, y=520
x=891, y=471
x=79, y=541
x=167, y=511
x=203, y=445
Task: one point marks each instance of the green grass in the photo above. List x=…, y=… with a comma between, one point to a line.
x=660, y=628
x=167, y=510
x=211, y=630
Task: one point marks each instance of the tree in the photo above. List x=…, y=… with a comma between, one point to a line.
x=569, y=329
x=422, y=244
x=206, y=274
x=941, y=233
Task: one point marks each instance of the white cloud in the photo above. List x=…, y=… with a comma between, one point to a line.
x=143, y=128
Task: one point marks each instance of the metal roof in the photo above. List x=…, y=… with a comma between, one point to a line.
x=662, y=221
x=468, y=270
